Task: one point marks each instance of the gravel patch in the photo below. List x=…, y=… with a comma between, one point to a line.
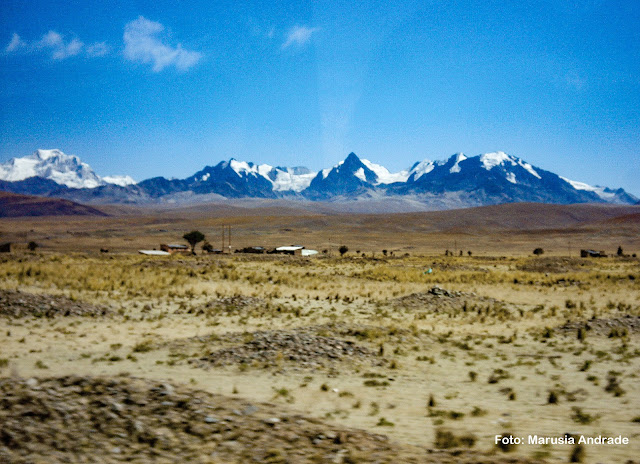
x=617, y=325
x=438, y=299
x=17, y=304
x=274, y=347
x=124, y=419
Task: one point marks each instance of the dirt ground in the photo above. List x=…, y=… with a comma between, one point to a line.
x=346, y=359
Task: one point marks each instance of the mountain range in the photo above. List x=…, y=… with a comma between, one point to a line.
x=459, y=181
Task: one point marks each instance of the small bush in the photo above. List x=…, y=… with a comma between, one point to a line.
x=384, y=423
x=40, y=365
x=508, y=445
x=376, y=383
x=578, y=454
x=581, y=417
x=445, y=439
x=613, y=386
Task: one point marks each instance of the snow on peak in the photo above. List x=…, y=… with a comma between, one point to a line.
x=600, y=191
x=383, y=175
x=241, y=167
x=422, y=168
x=282, y=179
x=46, y=154
x=500, y=158
x=491, y=160
x=456, y=166
x=286, y=180
x=122, y=181
x=511, y=177
x=529, y=168
x=54, y=165
x=360, y=174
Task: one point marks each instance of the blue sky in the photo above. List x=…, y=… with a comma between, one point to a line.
x=163, y=87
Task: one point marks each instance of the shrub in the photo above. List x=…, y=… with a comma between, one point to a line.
x=538, y=251
x=143, y=346
x=343, y=249
x=384, y=423
x=507, y=444
x=581, y=417
x=577, y=454
x=445, y=439
x=613, y=386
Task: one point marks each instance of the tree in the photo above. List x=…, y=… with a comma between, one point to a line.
x=620, y=252
x=207, y=247
x=32, y=246
x=469, y=252
x=194, y=237
x=538, y=251
x=343, y=249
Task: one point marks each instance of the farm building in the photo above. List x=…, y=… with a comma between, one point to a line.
x=174, y=248
x=252, y=249
x=5, y=248
x=592, y=254
x=290, y=250
x=296, y=250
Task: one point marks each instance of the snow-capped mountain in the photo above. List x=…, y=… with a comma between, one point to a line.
x=458, y=181
x=234, y=179
x=54, y=165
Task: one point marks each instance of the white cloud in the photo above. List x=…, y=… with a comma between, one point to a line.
x=141, y=44
x=54, y=44
x=298, y=35
x=16, y=44
x=98, y=49
x=59, y=49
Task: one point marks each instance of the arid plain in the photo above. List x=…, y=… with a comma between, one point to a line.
x=271, y=358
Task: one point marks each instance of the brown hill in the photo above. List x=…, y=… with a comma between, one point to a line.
x=15, y=205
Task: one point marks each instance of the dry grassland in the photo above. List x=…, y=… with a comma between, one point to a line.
x=321, y=359
x=478, y=347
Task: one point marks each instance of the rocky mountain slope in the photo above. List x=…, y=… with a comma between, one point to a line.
x=459, y=181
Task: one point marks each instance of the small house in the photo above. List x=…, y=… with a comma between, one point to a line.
x=592, y=254
x=174, y=248
x=290, y=250
x=252, y=249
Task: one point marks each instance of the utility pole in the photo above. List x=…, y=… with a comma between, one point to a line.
x=229, y=238
x=222, y=247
